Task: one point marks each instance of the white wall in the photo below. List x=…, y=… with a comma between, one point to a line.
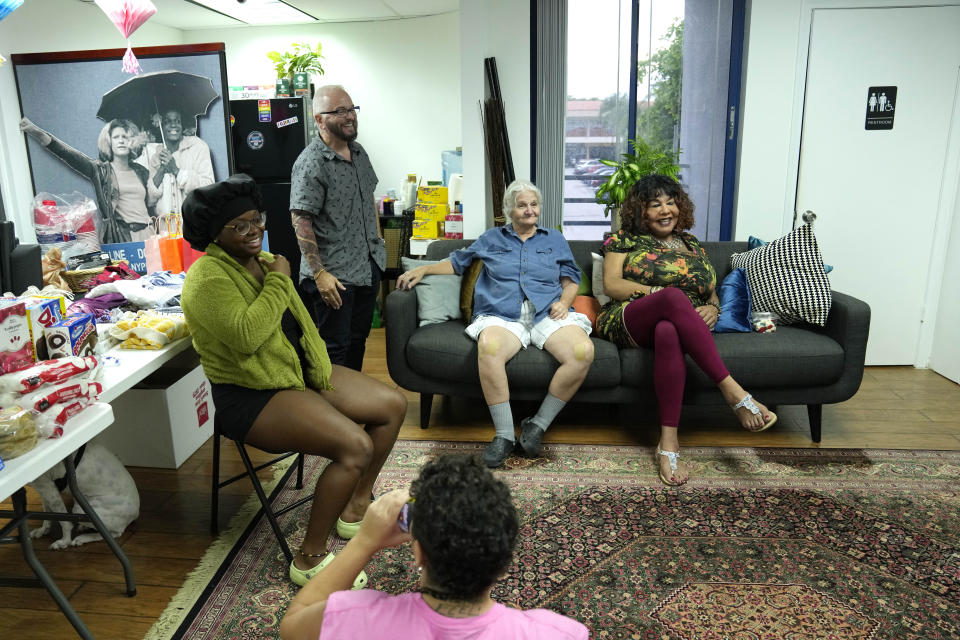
x=766, y=115
x=49, y=25
x=404, y=74
x=498, y=28
x=771, y=110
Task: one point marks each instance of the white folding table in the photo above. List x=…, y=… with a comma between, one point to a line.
x=20, y=471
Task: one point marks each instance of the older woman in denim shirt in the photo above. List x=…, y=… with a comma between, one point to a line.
x=523, y=295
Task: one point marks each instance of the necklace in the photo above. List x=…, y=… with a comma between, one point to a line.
x=672, y=242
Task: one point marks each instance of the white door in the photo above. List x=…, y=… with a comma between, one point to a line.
x=876, y=192
x=945, y=355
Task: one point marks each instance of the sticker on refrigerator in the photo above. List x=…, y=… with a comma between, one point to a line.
x=287, y=122
x=263, y=109
x=255, y=140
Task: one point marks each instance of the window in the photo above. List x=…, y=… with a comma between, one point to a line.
x=686, y=119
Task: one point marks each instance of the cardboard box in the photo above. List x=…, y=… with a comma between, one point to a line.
x=453, y=226
x=432, y=195
x=16, y=350
x=73, y=336
x=424, y=229
x=435, y=212
x=43, y=312
x=164, y=425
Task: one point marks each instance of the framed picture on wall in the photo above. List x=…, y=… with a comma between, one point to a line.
x=133, y=145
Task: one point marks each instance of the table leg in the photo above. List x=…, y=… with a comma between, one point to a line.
x=19, y=499
x=95, y=519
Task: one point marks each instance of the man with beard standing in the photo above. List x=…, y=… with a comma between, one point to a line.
x=338, y=229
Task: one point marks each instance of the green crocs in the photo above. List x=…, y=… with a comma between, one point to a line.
x=301, y=577
x=347, y=530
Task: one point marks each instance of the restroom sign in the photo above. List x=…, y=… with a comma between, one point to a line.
x=881, y=106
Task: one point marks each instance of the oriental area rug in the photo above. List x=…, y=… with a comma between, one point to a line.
x=761, y=544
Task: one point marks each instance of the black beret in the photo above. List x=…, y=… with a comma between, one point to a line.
x=206, y=209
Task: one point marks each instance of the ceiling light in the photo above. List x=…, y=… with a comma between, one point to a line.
x=258, y=12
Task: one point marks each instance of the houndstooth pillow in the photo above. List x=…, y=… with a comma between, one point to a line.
x=787, y=278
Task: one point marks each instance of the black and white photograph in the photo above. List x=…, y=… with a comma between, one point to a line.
x=134, y=145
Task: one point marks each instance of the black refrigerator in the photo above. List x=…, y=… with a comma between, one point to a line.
x=268, y=136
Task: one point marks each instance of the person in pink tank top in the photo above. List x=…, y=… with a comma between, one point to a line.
x=463, y=528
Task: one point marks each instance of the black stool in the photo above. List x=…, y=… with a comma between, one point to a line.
x=265, y=502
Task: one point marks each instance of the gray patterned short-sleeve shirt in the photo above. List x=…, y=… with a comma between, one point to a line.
x=339, y=196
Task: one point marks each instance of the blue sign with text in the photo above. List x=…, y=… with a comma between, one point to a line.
x=132, y=252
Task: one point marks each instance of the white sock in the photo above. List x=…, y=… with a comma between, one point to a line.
x=549, y=409
x=502, y=416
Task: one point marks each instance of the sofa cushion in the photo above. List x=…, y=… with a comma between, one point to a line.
x=443, y=351
x=437, y=296
x=467, y=285
x=787, y=278
x=788, y=357
x=734, y=295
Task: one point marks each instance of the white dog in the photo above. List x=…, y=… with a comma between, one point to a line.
x=108, y=487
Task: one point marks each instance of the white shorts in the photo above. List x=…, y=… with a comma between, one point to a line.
x=524, y=328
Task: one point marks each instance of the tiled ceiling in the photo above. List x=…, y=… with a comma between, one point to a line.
x=190, y=14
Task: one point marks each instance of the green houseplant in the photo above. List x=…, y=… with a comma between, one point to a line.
x=300, y=59
x=643, y=161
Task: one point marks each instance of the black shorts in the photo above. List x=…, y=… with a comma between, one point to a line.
x=238, y=407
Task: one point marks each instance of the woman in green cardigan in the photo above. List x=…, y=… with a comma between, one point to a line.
x=272, y=383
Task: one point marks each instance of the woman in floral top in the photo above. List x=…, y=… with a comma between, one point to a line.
x=662, y=290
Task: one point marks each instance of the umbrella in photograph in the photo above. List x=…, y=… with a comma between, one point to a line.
x=139, y=98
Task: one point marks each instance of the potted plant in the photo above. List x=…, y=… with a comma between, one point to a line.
x=643, y=161
x=301, y=60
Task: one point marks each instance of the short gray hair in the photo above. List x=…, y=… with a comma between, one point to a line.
x=515, y=189
x=322, y=92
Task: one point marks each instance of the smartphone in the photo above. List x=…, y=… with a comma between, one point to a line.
x=403, y=521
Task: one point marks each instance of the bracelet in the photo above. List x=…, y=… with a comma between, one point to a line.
x=717, y=307
x=319, y=273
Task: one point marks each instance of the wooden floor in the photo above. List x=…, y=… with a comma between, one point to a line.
x=896, y=407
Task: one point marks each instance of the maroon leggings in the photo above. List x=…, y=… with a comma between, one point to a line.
x=668, y=322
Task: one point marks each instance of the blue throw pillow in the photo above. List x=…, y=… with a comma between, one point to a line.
x=734, y=294
x=753, y=243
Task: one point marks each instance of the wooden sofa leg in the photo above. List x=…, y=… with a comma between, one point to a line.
x=426, y=402
x=815, y=415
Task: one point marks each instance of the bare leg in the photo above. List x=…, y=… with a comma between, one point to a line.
x=382, y=410
x=573, y=349
x=308, y=422
x=495, y=347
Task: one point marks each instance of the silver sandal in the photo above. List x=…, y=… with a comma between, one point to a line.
x=751, y=406
x=672, y=456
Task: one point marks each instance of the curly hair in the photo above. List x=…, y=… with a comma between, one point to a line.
x=105, y=149
x=649, y=188
x=465, y=522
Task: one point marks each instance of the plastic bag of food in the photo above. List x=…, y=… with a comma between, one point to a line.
x=148, y=329
x=48, y=372
x=18, y=432
x=67, y=222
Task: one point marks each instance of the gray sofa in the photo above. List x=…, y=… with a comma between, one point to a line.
x=797, y=364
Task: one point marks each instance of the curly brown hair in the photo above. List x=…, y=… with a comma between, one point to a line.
x=649, y=188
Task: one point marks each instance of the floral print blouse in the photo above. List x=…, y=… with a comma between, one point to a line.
x=649, y=262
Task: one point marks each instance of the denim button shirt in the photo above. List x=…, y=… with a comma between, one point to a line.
x=514, y=271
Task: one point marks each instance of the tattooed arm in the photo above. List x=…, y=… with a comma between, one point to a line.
x=327, y=284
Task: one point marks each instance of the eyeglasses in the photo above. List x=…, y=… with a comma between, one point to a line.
x=340, y=112
x=243, y=227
